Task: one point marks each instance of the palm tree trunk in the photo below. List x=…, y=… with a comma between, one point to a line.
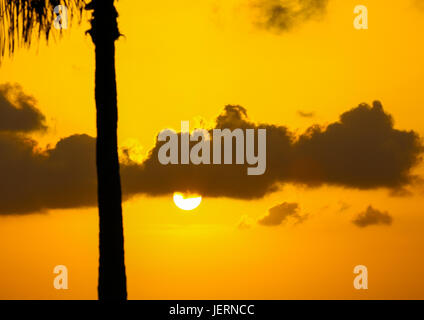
x=104, y=32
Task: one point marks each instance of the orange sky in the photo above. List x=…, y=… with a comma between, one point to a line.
x=185, y=61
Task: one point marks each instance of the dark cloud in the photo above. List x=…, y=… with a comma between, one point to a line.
x=362, y=150
x=34, y=180
x=283, y=15
x=209, y=180
x=60, y=177
x=372, y=216
x=212, y=180
x=18, y=111
x=281, y=213
x=306, y=114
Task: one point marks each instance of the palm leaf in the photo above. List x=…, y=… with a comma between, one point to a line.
x=21, y=20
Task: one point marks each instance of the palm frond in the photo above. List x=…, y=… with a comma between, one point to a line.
x=21, y=20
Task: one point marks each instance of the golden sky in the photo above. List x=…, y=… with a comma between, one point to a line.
x=186, y=60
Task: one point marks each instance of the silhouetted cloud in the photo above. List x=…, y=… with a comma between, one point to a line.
x=372, y=216
x=209, y=180
x=361, y=150
x=60, y=177
x=34, y=180
x=281, y=213
x=18, y=111
x=283, y=15
x=306, y=114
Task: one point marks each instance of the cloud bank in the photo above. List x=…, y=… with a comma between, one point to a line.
x=362, y=150
x=60, y=177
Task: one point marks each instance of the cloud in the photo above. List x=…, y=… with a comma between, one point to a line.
x=32, y=179
x=281, y=213
x=306, y=114
x=372, y=216
x=59, y=177
x=208, y=180
x=18, y=111
x=362, y=150
x=284, y=15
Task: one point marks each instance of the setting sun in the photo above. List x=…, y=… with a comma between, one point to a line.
x=187, y=202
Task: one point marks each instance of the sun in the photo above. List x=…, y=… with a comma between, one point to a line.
x=187, y=202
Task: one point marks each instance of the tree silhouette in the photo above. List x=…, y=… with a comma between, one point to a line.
x=24, y=20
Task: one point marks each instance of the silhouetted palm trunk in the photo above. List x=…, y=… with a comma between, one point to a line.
x=104, y=32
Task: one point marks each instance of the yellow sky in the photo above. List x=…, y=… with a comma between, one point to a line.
x=188, y=59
